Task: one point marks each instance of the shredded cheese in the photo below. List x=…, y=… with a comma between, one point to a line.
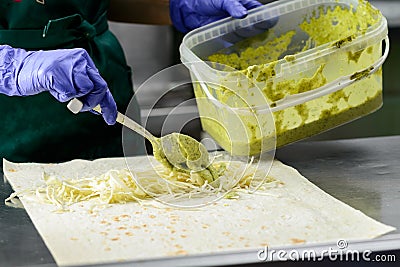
x=122, y=186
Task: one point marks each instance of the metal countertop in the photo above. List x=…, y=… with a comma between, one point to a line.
x=364, y=173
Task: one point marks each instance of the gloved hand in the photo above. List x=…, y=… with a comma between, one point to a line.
x=64, y=73
x=187, y=15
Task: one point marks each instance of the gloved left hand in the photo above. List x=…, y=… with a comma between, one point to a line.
x=187, y=15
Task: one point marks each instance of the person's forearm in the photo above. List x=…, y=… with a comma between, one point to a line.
x=140, y=11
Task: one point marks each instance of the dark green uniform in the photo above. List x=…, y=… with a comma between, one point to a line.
x=39, y=128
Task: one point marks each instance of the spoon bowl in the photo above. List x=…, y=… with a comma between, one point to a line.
x=185, y=152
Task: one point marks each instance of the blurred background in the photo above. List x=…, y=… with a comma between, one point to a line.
x=151, y=48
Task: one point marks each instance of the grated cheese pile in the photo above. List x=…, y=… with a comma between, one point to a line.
x=121, y=186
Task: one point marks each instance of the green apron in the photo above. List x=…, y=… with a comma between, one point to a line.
x=39, y=128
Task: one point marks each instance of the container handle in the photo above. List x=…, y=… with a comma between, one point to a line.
x=336, y=85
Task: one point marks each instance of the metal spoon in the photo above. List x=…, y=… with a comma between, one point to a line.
x=173, y=150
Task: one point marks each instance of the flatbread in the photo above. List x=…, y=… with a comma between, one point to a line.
x=295, y=213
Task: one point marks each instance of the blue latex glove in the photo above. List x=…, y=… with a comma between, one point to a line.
x=64, y=73
x=187, y=15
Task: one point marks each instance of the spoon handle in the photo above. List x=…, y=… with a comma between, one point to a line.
x=134, y=126
x=75, y=105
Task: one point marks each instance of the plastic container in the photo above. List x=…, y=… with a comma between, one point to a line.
x=305, y=66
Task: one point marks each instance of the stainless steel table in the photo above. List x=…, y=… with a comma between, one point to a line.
x=364, y=173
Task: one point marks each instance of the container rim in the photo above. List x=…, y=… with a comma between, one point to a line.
x=377, y=31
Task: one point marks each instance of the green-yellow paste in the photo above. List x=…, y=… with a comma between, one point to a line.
x=260, y=63
x=183, y=148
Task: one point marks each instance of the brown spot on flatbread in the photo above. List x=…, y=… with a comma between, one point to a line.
x=74, y=238
x=129, y=233
x=297, y=241
x=12, y=170
x=181, y=252
x=115, y=239
x=122, y=228
x=178, y=252
x=178, y=246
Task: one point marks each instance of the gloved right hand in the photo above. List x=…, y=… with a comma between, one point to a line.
x=64, y=73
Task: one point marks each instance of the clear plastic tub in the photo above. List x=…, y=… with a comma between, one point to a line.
x=312, y=64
